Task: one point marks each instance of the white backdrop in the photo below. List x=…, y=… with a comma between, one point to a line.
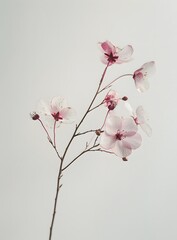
x=49, y=48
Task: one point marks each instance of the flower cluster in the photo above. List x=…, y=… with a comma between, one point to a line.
x=117, y=134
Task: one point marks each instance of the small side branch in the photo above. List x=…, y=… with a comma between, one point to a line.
x=87, y=150
x=82, y=133
x=110, y=84
x=101, y=150
x=96, y=106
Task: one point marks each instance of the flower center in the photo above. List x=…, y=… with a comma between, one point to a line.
x=119, y=136
x=111, y=57
x=57, y=116
x=137, y=75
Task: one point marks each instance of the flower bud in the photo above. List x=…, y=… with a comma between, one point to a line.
x=112, y=105
x=34, y=116
x=125, y=98
x=98, y=132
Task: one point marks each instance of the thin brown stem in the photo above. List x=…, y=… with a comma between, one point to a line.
x=54, y=130
x=101, y=150
x=57, y=152
x=97, y=91
x=87, y=111
x=56, y=198
x=82, y=133
x=48, y=136
x=67, y=147
x=105, y=119
x=96, y=106
x=109, y=85
x=87, y=150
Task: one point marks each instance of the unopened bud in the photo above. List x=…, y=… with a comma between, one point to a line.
x=98, y=132
x=112, y=106
x=125, y=98
x=34, y=116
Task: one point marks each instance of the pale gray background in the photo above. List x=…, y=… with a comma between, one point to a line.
x=49, y=48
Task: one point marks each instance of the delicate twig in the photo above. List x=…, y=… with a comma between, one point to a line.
x=96, y=139
x=56, y=198
x=101, y=80
x=87, y=111
x=48, y=136
x=59, y=173
x=100, y=150
x=105, y=119
x=87, y=150
x=107, y=86
x=67, y=147
x=57, y=152
x=54, y=130
x=82, y=133
x=96, y=107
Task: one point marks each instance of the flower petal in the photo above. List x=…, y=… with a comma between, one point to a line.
x=68, y=115
x=129, y=125
x=108, y=47
x=107, y=141
x=133, y=141
x=113, y=124
x=105, y=60
x=57, y=103
x=141, y=115
x=148, y=69
x=121, y=150
x=147, y=129
x=129, y=108
x=125, y=54
x=141, y=84
x=49, y=121
x=43, y=108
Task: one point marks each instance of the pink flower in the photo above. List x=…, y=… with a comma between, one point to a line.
x=57, y=110
x=120, y=136
x=141, y=76
x=114, y=54
x=140, y=118
x=111, y=99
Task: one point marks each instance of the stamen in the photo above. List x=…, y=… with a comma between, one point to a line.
x=57, y=116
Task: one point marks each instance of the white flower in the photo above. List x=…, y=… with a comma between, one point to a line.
x=57, y=111
x=140, y=117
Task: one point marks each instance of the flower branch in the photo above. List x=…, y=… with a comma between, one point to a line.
x=110, y=84
x=56, y=198
x=82, y=133
x=118, y=135
x=85, y=151
x=96, y=106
